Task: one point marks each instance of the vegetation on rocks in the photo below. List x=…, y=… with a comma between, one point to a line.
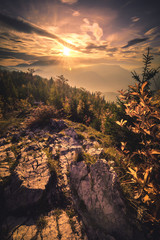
x=37, y=142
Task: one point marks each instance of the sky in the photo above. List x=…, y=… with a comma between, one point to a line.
x=69, y=36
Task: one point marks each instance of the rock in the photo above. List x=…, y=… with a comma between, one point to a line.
x=29, y=179
x=5, y=147
x=65, y=228
x=58, y=125
x=25, y=232
x=50, y=231
x=71, y=133
x=95, y=152
x=51, y=139
x=52, y=226
x=97, y=198
x=2, y=141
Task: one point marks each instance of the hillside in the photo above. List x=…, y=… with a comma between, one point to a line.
x=73, y=166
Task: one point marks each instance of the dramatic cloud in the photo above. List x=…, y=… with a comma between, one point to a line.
x=69, y=1
x=20, y=25
x=8, y=53
x=35, y=60
x=135, y=41
x=95, y=31
x=94, y=28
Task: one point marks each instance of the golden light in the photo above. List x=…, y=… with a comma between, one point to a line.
x=66, y=51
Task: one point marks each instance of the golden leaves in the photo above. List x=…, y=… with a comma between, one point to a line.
x=122, y=122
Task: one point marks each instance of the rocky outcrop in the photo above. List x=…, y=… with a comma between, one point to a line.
x=37, y=168
x=97, y=198
x=55, y=225
x=34, y=167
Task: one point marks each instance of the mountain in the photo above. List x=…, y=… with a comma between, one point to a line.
x=3, y=67
x=104, y=78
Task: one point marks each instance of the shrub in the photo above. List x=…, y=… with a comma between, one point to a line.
x=41, y=116
x=143, y=165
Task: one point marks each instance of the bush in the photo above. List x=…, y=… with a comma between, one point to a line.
x=41, y=116
x=143, y=165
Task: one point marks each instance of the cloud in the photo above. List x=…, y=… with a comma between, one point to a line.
x=69, y=1
x=92, y=46
x=135, y=19
x=21, y=25
x=101, y=47
x=135, y=41
x=96, y=30
x=76, y=14
x=151, y=31
x=44, y=63
x=112, y=49
x=39, y=63
x=6, y=53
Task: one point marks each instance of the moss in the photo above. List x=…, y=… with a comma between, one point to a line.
x=57, y=213
x=70, y=212
x=112, y=154
x=53, y=164
x=82, y=156
x=41, y=223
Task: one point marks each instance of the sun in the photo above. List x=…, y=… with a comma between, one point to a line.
x=66, y=51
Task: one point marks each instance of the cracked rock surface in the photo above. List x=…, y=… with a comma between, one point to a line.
x=96, y=195
x=42, y=183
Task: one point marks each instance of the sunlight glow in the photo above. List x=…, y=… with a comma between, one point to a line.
x=66, y=51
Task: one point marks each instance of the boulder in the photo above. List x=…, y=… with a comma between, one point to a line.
x=29, y=179
x=97, y=198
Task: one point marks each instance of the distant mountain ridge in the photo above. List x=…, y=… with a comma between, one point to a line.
x=104, y=78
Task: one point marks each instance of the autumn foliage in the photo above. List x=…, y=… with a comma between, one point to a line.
x=143, y=165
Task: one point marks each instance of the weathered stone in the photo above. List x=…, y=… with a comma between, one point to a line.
x=95, y=152
x=50, y=231
x=99, y=202
x=95, y=189
x=71, y=133
x=58, y=125
x=5, y=147
x=29, y=180
x=2, y=141
x=65, y=227
x=4, y=171
x=25, y=232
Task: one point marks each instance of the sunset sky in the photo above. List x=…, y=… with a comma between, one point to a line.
x=76, y=34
